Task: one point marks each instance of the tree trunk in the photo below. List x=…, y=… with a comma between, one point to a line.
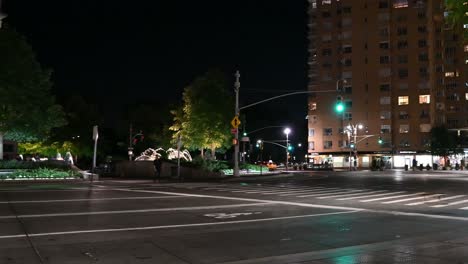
x=202, y=154
x=1, y=145
x=213, y=153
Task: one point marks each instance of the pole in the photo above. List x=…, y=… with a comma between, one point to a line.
x=236, y=135
x=178, y=156
x=95, y=138
x=130, y=142
x=287, y=152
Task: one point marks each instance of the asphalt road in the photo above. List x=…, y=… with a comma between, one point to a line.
x=316, y=217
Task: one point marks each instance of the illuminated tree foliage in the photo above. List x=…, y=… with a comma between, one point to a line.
x=444, y=142
x=203, y=120
x=457, y=15
x=27, y=109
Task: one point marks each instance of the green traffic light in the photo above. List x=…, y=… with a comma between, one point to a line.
x=245, y=134
x=289, y=147
x=339, y=107
x=380, y=141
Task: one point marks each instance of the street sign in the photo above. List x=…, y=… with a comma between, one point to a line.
x=235, y=122
x=233, y=130
x=245, y=139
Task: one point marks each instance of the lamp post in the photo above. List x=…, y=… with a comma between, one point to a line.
x=352, y=130
x=287, y=131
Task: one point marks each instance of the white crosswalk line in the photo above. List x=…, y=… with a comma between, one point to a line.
x=297, y=191
x=437, y=200
x=329, y=192
x=372, y=195
x=346, y=195
x=453, y=203
x=307, y=192
x=391, y=197
x=413, y=198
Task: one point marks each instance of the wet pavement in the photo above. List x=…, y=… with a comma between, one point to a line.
x=305, y=217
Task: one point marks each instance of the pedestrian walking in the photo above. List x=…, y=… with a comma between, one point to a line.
x=157, y=169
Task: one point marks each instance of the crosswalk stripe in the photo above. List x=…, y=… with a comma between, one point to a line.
x=298, y=191
x=346, y=195
x=283, y=190
x=413, y=198
x=329, y=192
x=453, y=203
x=307, y=192
x=391, y=197
x=368, y=196
x=437, y=200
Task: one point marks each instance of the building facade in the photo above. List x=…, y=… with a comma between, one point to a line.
x=398, y=69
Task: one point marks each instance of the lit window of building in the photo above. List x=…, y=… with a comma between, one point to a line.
x=425, y=128
x=449, y=74
x=400, y=3
x=311, y=132
x=425, y=99
x=465, y=48
x=403, y=100
x=312, y=106
x=385, y=129
x=404, y=128
x=327, y=144
x=311, y=145
x=466, y=96
x=385, y=114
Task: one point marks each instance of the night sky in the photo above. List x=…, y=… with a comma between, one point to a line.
x=119, y=53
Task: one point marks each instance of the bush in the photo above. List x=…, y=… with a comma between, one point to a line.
x=210, y=165
x=40, y=173
x=50, y=164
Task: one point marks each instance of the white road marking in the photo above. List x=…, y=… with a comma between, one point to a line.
x=391, y=197
x=450, y=204
x=138, y=211
x=230, y=215
x=436, y=200
x=306, y=192
x=173, y=226
x=367, y=196
x=298, y=191
x=92, y=199
x=246, y=199
x=346, y=195
x=413, y=198
x=329, y=192
x=307, y=205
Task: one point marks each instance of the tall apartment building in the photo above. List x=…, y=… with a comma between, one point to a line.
x=399, y=71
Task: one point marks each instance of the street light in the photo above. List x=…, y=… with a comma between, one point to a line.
x=287, y=131
x=352, y=130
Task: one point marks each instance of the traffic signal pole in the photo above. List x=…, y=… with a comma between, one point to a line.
x=236, y=135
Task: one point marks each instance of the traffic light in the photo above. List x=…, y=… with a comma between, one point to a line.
x=352, y=145
x=245, y=134
x=138, y=138
x=380, y=140
x=290, y=148
x=339, y=106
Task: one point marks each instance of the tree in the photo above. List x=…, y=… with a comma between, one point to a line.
x=457, y=15
x=203, y=120
x=443, y=143
x=27, y=109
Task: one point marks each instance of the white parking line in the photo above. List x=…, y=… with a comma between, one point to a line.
x=437, y=200
x=413, y=198
x=173, y=226
x=450, y=204
x=367, y=196
x=346, y=195
x=92, y=199
x=137, y=211
x=330, y=192
x=391, y=197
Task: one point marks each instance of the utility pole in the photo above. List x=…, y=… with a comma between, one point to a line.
x=130, y=148
x=2, y=15
x=236, y=135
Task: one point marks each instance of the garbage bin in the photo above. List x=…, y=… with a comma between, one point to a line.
x=406, y=167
